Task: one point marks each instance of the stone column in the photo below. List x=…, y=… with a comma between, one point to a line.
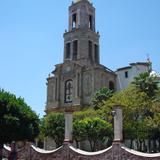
x=68, y=125
x=118, y=137
x=117, y=113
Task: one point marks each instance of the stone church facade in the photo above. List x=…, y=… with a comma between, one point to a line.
x=74, y=81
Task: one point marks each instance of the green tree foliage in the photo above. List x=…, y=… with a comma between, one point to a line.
x=146, y=83
x=87, y=126
x=140, y=115
x=78, y=132
x=54, y=127
x=133, y=102
x=153, y=124
x=94, y=130
x=100, y=96
x=42, y=134
x=78, y=125
x=78, y=128
x=42, y=129
x=17, y=121
x=85, y=113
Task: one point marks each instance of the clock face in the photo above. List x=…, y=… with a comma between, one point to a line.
x=66, y=69
x=87, y=84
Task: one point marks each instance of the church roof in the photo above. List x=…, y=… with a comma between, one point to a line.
x=66, y=62
x=106, y=68
x=140, y=63
x=133, y=64
x=124, y=68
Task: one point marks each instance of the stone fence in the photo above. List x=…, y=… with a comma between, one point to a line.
x=67, y=152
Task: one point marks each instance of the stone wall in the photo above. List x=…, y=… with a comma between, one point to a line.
x=67, y=152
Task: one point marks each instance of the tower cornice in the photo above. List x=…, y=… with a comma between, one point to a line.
x=75, y=4
x=82, y=30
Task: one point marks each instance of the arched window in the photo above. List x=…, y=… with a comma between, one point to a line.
x=111, y=85
x=90, y=49
x=74, y=21
x=75, y=49
x=91, y=22
x=68, y=50
x=68, y=91
x=96, y=53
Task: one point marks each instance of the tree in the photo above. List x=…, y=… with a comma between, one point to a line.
x=153, y=124
x=140, y=115
x=78, y=123
x=85, y=113
x=100, y=96
x=146, y=83
x=17, y=121
x=42, y=134
x=78, y=132
x=94, y=130
x=54, y=127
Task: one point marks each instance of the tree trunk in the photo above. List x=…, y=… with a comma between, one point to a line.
x=1, y=149
x=140, y=146
x=144, y=146
x=154, y=146
x=91, y=145
x=94, y=146
x=57, y=145
x=131, y=144
x=159, y=145
x=77, y=144
x=137, y=143
x=149, y=145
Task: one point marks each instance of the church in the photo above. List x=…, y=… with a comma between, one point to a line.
x=81, y=74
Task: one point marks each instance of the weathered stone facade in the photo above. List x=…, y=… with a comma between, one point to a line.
x=73, y=82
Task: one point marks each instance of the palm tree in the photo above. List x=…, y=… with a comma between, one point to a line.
x=100, y=96
x=146, y=83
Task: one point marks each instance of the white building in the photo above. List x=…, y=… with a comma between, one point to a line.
x=126, y=75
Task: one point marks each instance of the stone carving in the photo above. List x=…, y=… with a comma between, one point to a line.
x=87, y=84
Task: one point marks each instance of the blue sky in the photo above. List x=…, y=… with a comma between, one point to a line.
x=31, y=40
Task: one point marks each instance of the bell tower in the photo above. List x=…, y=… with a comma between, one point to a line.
x=74, y=81
x=81, y=42
x=81, y=15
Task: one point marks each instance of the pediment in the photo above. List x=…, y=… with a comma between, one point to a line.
x=68, y=67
